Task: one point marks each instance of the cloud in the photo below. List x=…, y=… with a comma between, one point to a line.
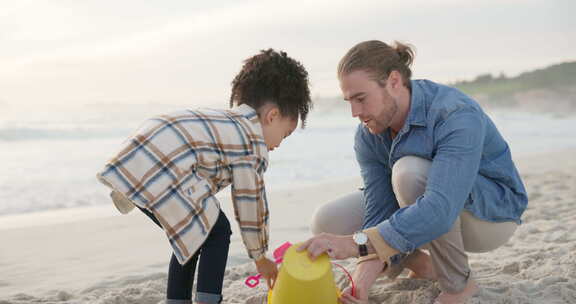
x=99, y=50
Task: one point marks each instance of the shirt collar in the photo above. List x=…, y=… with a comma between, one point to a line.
x=246, y=111
x=251, y=115
x=417, y=115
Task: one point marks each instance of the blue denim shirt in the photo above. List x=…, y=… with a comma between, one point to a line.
x=472, y=168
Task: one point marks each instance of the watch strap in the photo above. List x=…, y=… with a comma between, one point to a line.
x=363, y=250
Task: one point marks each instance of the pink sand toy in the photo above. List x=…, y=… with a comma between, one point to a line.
x=253, y=281
x=279, y=252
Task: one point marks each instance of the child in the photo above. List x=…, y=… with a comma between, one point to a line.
x=172, y=167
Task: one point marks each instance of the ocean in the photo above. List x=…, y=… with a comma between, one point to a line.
x=50, y=158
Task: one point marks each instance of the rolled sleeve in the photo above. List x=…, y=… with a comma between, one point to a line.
x=395, y=239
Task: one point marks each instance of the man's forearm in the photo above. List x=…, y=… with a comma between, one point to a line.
x=365, y=275
x=376, y=244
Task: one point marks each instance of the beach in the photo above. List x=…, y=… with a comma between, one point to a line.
x=79, y=79
x=94, y=255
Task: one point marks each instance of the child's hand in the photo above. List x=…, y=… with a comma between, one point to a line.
x=268, y=270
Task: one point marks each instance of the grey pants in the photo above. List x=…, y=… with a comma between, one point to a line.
x=448, y=253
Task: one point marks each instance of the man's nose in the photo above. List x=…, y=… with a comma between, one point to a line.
x=356, y=109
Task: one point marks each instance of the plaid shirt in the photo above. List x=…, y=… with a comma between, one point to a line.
x=174, y=164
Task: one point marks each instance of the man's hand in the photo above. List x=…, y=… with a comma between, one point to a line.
x=364, y=276
x=268, y=270
x=347, y=298
x=336, y=246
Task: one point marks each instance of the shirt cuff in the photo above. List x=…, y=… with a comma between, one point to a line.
x=393, y=238
x=257, y=255
x=383, y=250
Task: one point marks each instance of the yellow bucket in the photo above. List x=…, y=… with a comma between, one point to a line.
x=303, y=281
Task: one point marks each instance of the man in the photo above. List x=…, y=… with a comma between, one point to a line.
x=437, y=175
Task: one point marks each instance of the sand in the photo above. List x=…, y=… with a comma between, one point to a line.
x=93, y=255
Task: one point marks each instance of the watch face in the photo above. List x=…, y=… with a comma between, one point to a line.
x=360, y=238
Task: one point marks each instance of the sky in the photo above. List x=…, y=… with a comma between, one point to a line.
x=107, y=52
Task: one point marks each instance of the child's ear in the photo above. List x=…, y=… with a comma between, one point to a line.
x=272, y=114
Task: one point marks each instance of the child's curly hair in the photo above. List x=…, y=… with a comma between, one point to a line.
x=272, y=76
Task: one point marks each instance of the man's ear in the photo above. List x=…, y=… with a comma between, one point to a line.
x=394, y=83
x=394, y=80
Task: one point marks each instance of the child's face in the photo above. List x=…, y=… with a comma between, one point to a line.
x=276, y=127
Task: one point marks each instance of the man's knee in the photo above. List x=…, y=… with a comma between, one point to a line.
x=341, y=216
x=409, y=176
x=322, y=220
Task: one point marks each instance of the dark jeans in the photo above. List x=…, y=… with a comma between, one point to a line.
x=212, y=255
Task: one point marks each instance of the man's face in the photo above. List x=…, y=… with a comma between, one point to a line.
x=369, y=101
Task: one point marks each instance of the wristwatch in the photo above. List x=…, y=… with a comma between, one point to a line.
x=361, y=239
